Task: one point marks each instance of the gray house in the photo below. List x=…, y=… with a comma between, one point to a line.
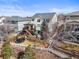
x=41, y=20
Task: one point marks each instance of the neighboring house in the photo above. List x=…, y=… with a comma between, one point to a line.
x=5, y=25
x=13, y=22
x=17, y=23
x=23, y=21
x=73, y=19
x=74, y=16
x=72, y=25
x=40, y=18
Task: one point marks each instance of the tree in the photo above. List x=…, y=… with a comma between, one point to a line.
x=6, y=50
x=29, y=54
x=44, y=30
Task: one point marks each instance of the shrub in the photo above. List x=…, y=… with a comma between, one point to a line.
x=6, y=50
x=29, y=54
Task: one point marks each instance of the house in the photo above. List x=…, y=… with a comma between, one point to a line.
x=39, y=19
x=73, y=20
x=17, y=22
x=72, y=26
x=22, y=22
x=12, y=23
x=74, y=16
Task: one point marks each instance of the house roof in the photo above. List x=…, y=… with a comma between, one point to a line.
x=44, y=15
x=76, y=13
x=17, y=18
x=37, y=15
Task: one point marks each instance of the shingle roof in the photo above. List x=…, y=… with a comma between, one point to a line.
x=37, y=15
x=76, y=13
x=44, y=15
x=17, y=18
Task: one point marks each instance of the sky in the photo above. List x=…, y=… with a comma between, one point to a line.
x=30, y=7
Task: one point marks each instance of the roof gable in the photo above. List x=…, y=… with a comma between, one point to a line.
x=44, y=15
x=76, y=13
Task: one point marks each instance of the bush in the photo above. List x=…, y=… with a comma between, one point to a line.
x=6, y=50
x=29, y=54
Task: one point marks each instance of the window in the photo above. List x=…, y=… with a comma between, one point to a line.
x=14, y=22
x=46, y=20
x=67, y=18
x=38, y=20
x=32, y=19
x=77, y=29
x=39, y=32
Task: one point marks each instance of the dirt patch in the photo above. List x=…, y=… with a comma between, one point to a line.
x=45, y=55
